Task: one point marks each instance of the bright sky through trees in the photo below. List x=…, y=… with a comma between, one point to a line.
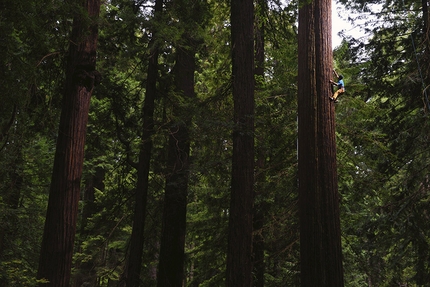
x=341, y=24
x=338, y=24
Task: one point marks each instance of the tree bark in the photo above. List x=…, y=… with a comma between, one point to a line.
x=239, y=252
x=320, y=240
x=171, y=264
x=141, y=198
x=60, y=226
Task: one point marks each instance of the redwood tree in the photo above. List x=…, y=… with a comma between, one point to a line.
x=60, y=225
x=239, y=252
x=320, y=239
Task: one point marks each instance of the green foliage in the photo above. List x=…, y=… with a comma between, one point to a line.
x=33, y=37
x=382, y=137
x=382, y=133
x=22, y=206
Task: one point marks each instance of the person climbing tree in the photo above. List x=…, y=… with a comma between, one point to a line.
x=340, y=87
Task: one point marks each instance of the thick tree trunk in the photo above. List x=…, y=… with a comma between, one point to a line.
x=171, y=264
x=320, y=240
x=60, y=225
x=239, y=252
x=141, y=198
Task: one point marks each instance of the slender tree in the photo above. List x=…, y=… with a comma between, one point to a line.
x=239, y=252
x=137, y=235
x=171, y=265
x=60, y=225
x=192, y=15
x=320, y=241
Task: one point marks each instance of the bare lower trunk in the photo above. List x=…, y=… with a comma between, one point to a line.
x=60, y=225
x=171, y=264
x=141, y=198
x=320, y=240
x=239, y=252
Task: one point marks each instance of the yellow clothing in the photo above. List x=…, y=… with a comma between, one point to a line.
x=339, y=91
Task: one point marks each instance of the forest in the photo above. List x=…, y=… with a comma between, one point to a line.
x=162, y=143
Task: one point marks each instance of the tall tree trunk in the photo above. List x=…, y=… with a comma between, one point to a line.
x=141, y=198
x=239, y=251
x=171, y=264
x=60, y=225
x=320, y=240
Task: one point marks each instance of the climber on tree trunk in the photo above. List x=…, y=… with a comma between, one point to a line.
x=340, y=87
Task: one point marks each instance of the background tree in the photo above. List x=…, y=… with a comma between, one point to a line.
x=239, y=262
x=55, y=261
x=381, y=134
x=102, y=238
x=192, y=17
x=320, y=239
x=32, y=38
x=114, y=134
x=143, y=166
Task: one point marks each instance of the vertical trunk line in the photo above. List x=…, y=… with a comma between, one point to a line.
x=321, y=261
x=60, y=226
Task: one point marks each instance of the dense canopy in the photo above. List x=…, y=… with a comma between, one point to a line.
x=166, y=79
